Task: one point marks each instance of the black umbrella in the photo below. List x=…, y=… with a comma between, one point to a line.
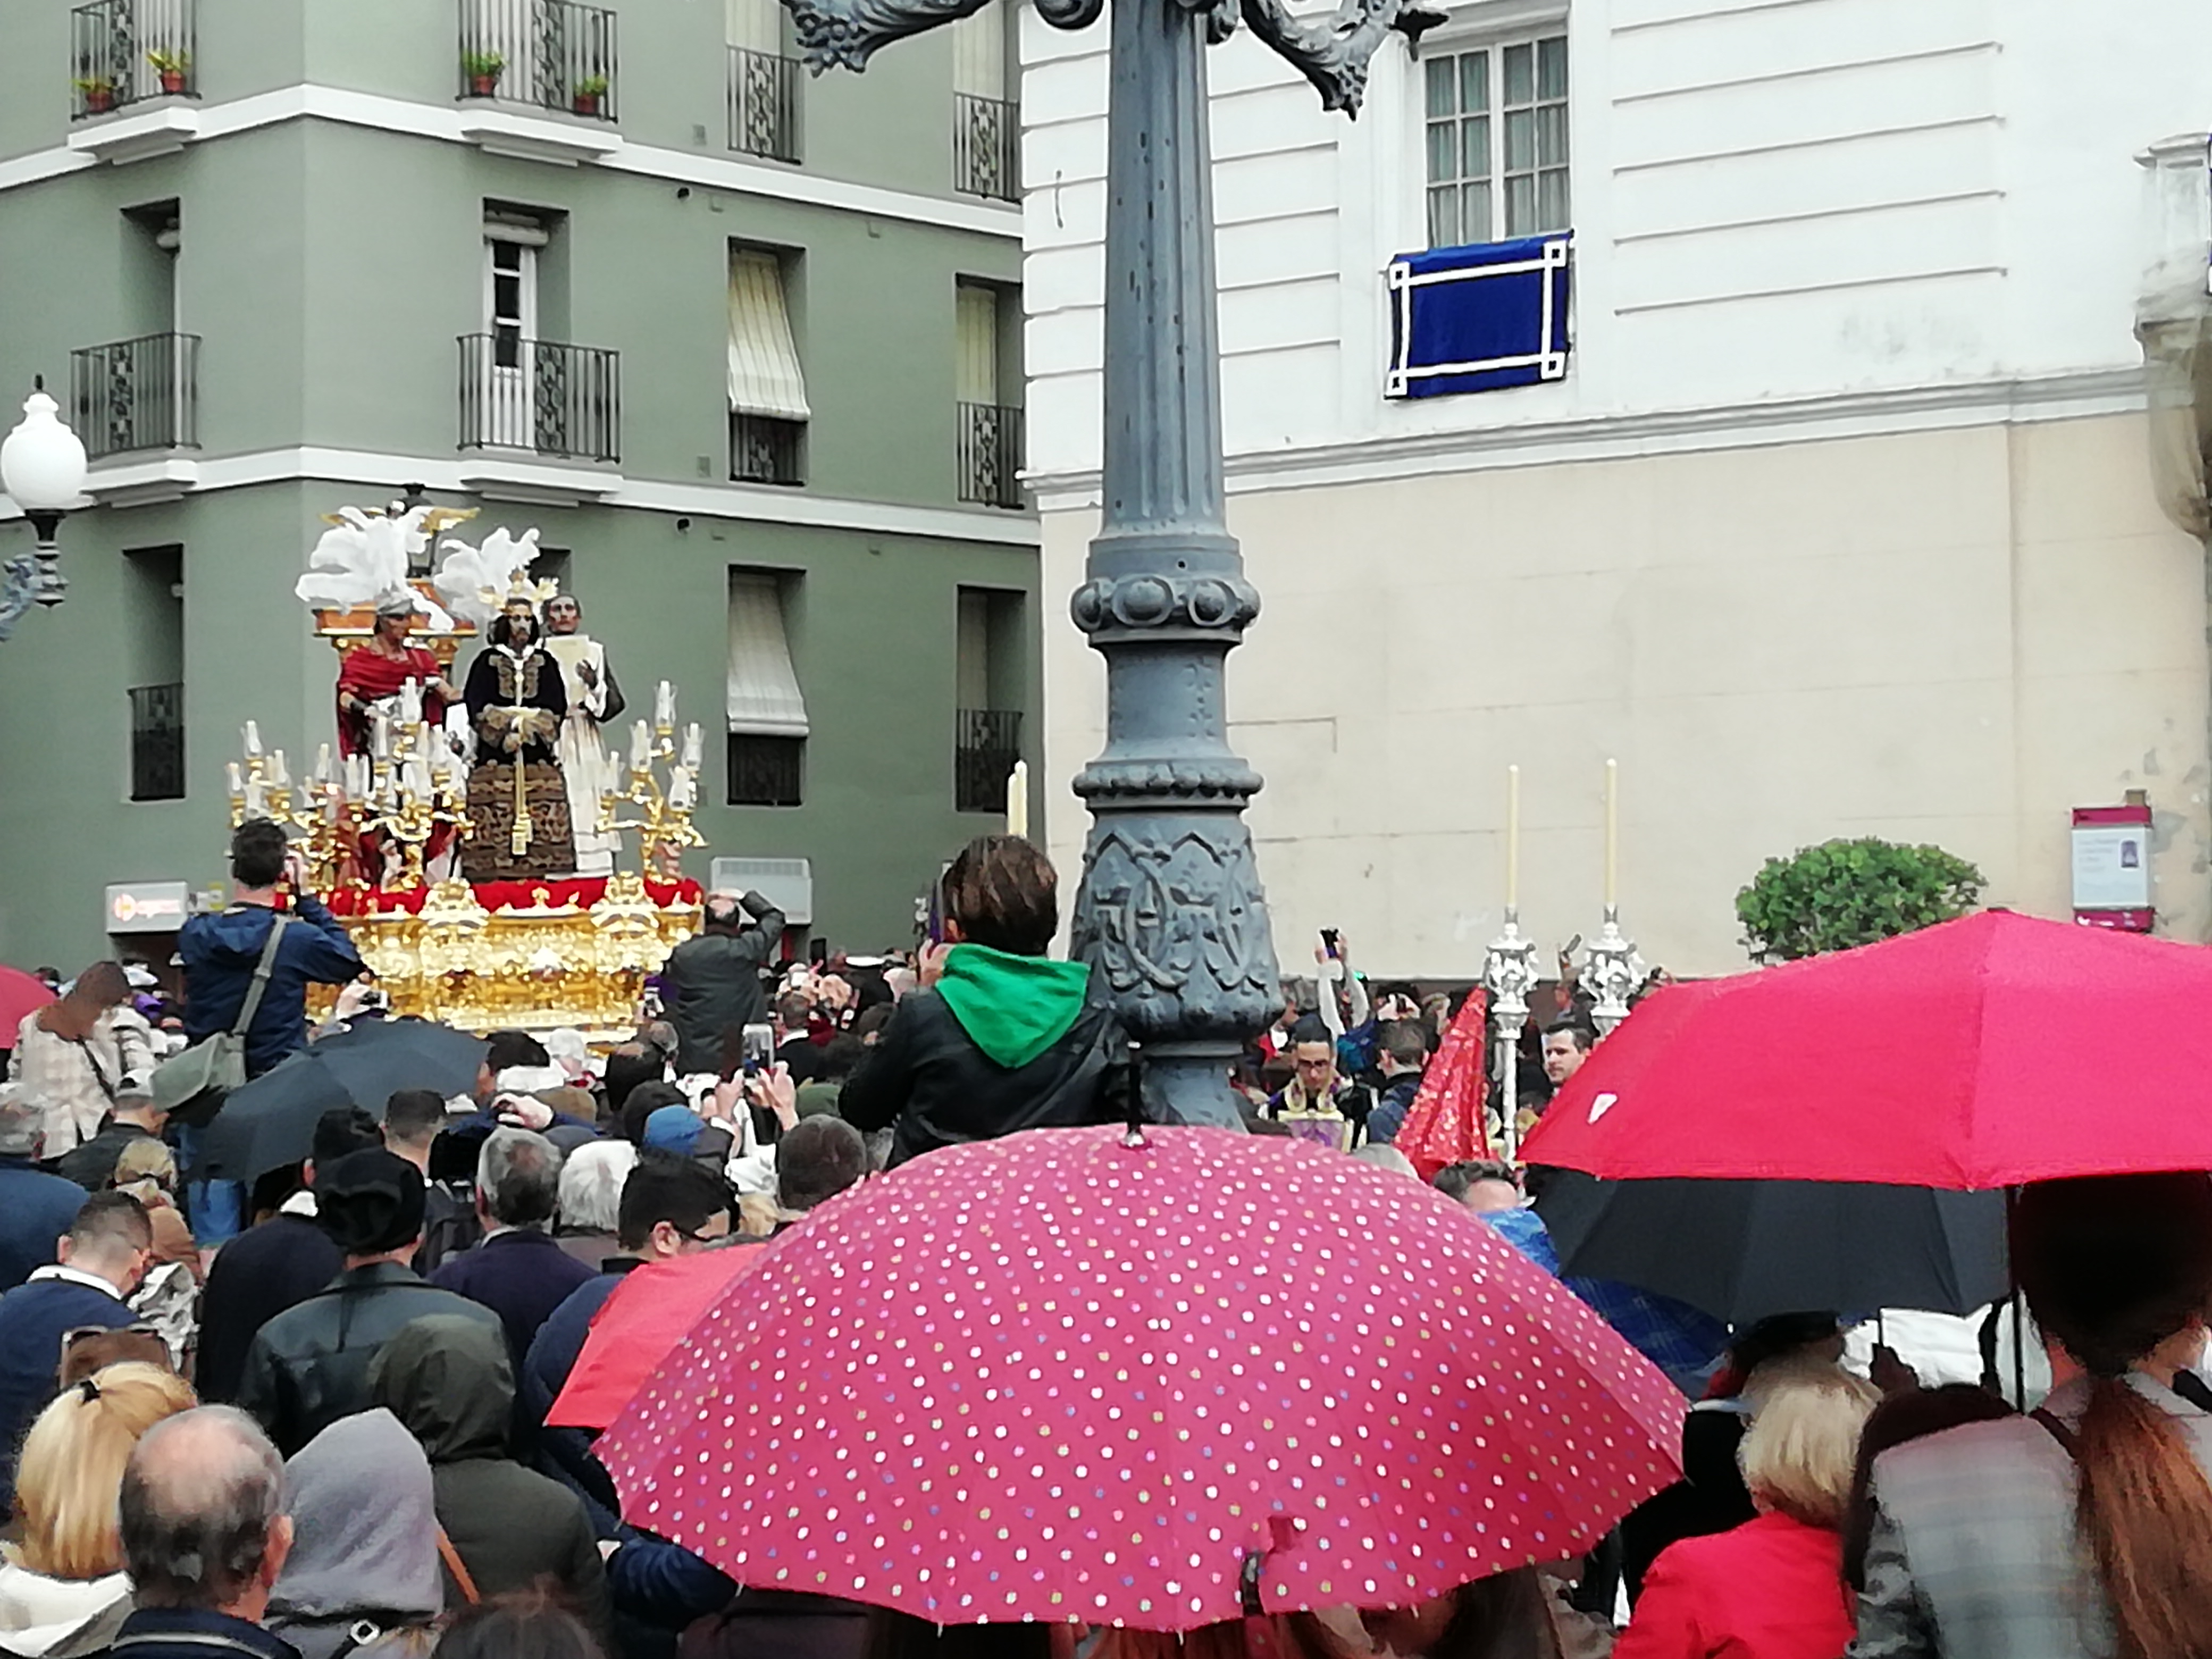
x=270, y=1121
x=1741, y=1250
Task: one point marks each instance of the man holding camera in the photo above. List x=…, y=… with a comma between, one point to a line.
x=714, y=981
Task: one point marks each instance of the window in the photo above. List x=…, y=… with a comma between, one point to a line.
x=769, y=411
x=764, y=81
x=767, y=710
x=1497, y=132
x=987, y=134
x=155, y=637
x=990, y=428
x=987, y=686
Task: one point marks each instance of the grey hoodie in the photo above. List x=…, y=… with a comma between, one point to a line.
x=365, y=1545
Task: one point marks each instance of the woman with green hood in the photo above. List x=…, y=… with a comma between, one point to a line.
x=1000, y=1037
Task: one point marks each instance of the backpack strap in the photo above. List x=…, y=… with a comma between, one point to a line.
x=2059, y=1431
x=251, y=1006
x=457, y=1567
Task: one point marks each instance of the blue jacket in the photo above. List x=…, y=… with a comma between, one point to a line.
x=566, y=1454
x=220, y=953
x=522, y=1276
x=35, y=1210
x=195, y=1633
x=34, y=1318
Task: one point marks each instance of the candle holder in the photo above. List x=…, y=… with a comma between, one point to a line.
x=1612, y=970
x=1509, y=974
x=663, y=818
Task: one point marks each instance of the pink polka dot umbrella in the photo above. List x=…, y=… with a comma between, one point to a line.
x=1059, y=1375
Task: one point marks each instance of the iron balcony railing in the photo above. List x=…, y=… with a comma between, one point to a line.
x=765, y=450
x=986, y=745
x=766, y=770
x=553, y=53
x=764, y=103
x=540, y=395
x=986, y=148
x=991, y=454
x=124, y=51
x=137, y=394
x=157, y=742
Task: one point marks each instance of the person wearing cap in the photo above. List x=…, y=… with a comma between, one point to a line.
x=309, y=1365
x=134, y=1117
x=376, y=669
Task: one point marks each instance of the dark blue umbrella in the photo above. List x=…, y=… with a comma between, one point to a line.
x=271, y=1122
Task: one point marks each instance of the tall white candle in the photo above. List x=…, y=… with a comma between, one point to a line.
x=323, y=763
x=664, y=705
x=692, y=746
x=410, y=702
x=1512, y=841
x=237, y=783
x=252, y=738
x=681, y=798
x=379, y=735
x=640, y=745
x=1018, y=799
x=278, y=774
x=1612, y=834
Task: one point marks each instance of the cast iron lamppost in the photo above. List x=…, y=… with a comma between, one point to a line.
x=1170, y=910
x=42, y=469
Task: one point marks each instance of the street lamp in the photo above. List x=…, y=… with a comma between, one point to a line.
x=1169, y=912
x=42, y=469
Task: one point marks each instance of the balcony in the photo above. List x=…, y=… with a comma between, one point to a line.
x=988, y=742
x=157, y=742
x=991, y=454
x=524, y=63
x=986, y=148
x=763, y=105
x=545, y=418
x=136, y=395
x=764, y=450
x=127, y=51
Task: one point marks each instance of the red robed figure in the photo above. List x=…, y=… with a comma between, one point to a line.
x=370, y=674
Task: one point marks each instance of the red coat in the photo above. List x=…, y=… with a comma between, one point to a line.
x=1771, y=1589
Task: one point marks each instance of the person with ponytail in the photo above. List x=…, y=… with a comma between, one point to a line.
x=2084, y=1530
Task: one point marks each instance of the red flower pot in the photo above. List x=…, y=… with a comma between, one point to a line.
x=99, y=102
x=172, y=82
x=483, y=86
x=587, y=103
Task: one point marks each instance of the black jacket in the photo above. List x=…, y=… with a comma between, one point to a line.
x=714, y=982
x=309, y=1365
x=450, y=1383
x=267, y=1269
x=927, y=1075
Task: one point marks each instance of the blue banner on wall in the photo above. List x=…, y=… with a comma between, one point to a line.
x=1477, y=318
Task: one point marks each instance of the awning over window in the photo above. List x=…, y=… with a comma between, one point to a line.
x=763, y=694
x=979, y=53
x=765, y=377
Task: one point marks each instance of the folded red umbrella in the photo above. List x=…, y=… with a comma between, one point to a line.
x=1445, y=1125
x=20, y=993
x=1069, y=1376
x=637, y=1326
x=1985, y=1052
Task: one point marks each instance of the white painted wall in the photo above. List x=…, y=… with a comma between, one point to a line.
x=1775, y=201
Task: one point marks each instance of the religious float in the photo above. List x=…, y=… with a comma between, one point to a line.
x=470, y=838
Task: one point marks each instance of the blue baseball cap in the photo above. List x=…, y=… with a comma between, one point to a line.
x=674, y=1129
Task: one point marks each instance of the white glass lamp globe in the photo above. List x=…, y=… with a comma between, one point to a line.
x=42, y=461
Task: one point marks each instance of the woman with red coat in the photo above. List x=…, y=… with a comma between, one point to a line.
x=1773, y=1588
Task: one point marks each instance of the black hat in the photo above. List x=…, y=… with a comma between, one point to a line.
x=370, y=1202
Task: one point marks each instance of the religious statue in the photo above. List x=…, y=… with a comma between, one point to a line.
x=594, y=699
x=374, y=673
x=518, y=799
x=363, y=559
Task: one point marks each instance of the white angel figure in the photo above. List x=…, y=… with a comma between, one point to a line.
x=362, y=561
x=475, y=581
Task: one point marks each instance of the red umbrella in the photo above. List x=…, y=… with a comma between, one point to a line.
x=634, y=1330
x=1061, y=1375
x=1985, y=1052
x=1445, y=1125
x=20, y=993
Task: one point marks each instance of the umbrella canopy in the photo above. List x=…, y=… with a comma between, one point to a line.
x=1445, y=1125
x=1985, y=1052
x=633, y=1332
x=1742, y=1249
x=20, y=993
x=1067, y=1375
x=270, y=1121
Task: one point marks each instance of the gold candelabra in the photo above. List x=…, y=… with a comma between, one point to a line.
x=262, y=787
x=663, y=820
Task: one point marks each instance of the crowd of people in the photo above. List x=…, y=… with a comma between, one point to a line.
x=325, y=1425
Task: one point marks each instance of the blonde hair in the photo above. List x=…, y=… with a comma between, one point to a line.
x=70, y=1473
x=1800, y=1451
x=757, y=1215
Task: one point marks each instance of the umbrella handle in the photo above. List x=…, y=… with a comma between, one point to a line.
x=1133, y=1098
x=1248, y=1582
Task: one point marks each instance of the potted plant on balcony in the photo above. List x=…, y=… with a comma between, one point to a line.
x=484, y=70
x=98, y=93
x=588, y=91
x=171, y=66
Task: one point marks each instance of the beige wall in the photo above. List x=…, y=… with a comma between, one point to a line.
x=1951, y=636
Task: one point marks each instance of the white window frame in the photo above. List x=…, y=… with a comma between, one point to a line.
x=1529, y=31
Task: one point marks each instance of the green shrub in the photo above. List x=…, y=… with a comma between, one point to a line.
x=1846, y=893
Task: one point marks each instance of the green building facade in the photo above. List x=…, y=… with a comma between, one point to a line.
x=744, y=346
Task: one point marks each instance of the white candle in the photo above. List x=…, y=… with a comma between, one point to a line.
x=611, y=784
x=418, y=778
x=681, y=796
x=1512, y=841
x=411, y=702
x=1612, y=834
x=692, y=746
x=1018, y=799
x=256, y=807
x=237, y=783
x=252, y=738
x=664, y=705
x=379, y=735
x=640, y=745
x=457, y=722
x=323, y=764
x=278, y=775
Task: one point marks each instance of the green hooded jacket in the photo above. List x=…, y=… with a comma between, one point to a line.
x=1013, y=1008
